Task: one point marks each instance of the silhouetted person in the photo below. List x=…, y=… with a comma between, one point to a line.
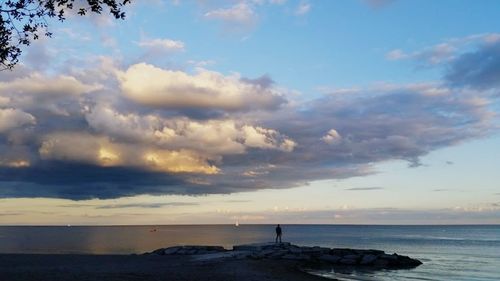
x=278, y=233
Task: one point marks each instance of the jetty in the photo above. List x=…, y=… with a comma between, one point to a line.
x=308, y=256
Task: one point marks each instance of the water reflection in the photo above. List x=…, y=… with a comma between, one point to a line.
x=448, y=252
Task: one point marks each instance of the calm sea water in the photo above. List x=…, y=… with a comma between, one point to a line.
x=448, y=252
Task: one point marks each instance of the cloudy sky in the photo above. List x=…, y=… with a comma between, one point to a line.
x=257, y=111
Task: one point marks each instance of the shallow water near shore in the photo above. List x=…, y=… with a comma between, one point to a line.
x=448, y=252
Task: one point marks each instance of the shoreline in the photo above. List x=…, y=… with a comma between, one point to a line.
x=65, y=267
x=248, y=262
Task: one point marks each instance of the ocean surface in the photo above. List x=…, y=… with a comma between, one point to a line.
x=448, y=252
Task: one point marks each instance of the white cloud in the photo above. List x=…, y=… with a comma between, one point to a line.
x=332, y=137
x=156, y=87
x=11, y=118
x=158, y=44
x=396, y=54
x=51, y=93
x=444, y=52
x=266, y=138
x=433, y=55
x=210, y=137
x=241, y=13
x=38, y=84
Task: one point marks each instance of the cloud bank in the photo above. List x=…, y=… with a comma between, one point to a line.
x=108, y=131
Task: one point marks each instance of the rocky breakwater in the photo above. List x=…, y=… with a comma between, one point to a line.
x=310, y=256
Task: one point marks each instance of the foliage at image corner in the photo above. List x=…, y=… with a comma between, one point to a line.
x=22, y=21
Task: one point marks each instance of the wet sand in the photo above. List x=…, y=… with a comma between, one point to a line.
x=30, y=267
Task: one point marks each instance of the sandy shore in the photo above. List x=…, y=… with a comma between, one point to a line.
x=27, y=267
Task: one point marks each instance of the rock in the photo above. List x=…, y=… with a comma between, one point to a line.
x=171, y=250
x=267, y=252
x=347, y=261
x=278, y=254
x=341, y=252
x=314, y=250
x=351, y=257
x=329, y=258
x=190, y=250
x=156, y=252
x=369, y=252
x=375, y=259
x=296, y=257
x=407, y=262
x=392, y=257
x=255, y=256
x=376, y=252
x=260, y=246
x=368, y=259
x=380, y=263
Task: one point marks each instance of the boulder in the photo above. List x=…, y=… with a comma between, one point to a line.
x=407, y=262
x=156, y=252
x=347, y=261
x=368, y=252
x=171, y=250
x=278, y=254
x=329, y=258
x=375, y=259
x=314, y=250
x=295, y=257
x=260, y=246
x=351, y=257
x=380, y=263
x=392, y=257
x=368, y=259
x=267, y=252
x=342, y=252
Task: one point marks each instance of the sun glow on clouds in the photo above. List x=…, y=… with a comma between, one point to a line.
x=15, y=164
x=108, y=158
x=100, y=151
x=153, y=86
x=178, y=162
x=153, y=121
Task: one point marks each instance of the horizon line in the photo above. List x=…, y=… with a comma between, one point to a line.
x=241, y=224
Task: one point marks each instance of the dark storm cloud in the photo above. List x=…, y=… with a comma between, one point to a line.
x=477, y=69
x=147, y=205
x=393, y=124
x=80, y=181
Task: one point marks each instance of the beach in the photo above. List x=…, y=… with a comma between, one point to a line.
x=38, y=267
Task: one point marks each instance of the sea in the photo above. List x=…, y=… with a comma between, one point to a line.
x=448, y=252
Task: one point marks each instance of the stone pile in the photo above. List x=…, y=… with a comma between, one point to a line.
x=189, y=250
x=310, y=255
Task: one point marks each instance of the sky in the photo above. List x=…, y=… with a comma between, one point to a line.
x=257, y=111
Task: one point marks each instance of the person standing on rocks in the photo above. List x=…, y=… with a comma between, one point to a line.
x=278, y=233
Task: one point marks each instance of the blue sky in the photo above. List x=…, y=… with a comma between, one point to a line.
x=258, y=111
